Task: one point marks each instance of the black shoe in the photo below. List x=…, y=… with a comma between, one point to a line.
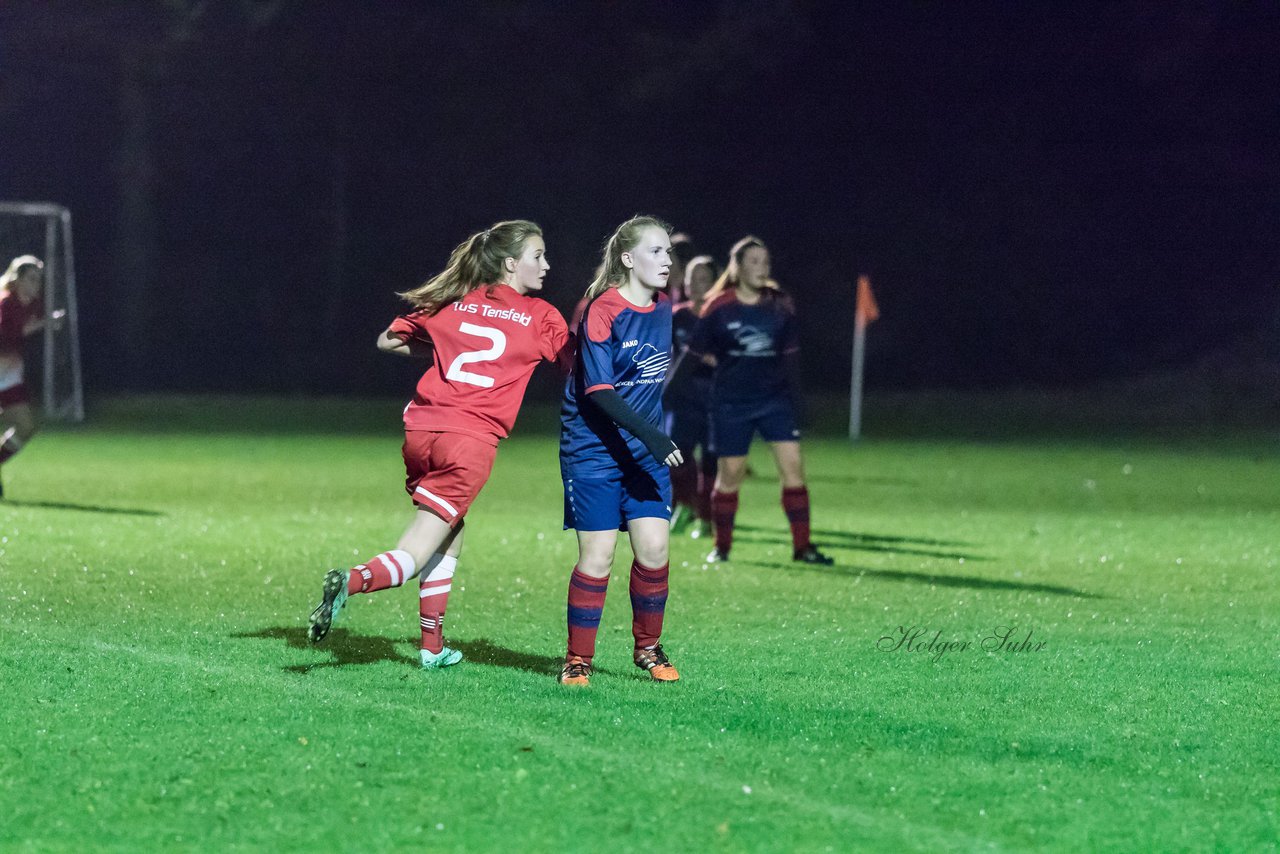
x=810, y=554
x=716, y=556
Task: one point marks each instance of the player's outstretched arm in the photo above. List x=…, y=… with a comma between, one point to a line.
x=37, y=324
x=656, y=442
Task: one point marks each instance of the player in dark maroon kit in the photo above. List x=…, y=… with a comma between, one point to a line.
x=688, y=403
x=20, y=315
x=486, y=334
x=748, y=333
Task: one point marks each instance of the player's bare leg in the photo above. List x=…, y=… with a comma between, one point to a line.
x=425, y=535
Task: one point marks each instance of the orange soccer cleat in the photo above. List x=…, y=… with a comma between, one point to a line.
x=575, y=672
x=655, y=661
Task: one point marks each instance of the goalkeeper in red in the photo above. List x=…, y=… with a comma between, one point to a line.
x=485, y=333
x=21, y=315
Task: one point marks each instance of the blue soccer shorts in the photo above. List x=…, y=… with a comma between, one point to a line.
x=609, y=501
x=733, y=425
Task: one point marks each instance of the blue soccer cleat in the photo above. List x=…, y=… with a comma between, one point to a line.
x=444, y=658
x=326, y=613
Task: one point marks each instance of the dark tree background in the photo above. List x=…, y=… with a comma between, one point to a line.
x=1042, y=194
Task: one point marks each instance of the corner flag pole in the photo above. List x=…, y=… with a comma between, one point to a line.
x=866, y=311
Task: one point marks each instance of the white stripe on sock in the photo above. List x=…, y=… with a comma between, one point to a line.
x=424, y=592
x=443, y=570
x=400, y=561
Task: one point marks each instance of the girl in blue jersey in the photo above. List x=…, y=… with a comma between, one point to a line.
x=613, y=453
x=748, y=333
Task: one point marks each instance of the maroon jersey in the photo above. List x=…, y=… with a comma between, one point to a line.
x=13, y=317
x=486, y=346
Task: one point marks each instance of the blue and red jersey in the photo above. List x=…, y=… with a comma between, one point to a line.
x=749, y=342
x=689, y=386
x=627, y=348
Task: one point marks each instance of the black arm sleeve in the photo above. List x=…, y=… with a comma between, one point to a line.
x=655, y=441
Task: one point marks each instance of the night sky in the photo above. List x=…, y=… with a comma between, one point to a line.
x=1042, y=194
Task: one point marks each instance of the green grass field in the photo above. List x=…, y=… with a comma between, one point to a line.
x=159, y=693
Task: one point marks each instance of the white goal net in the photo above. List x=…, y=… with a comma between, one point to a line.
x=52, y=356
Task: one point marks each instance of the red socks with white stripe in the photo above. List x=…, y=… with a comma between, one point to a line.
x=394, y=568
x=389, y=569
x=433, y=596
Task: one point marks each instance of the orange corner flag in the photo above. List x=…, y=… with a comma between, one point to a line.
x=867, y=309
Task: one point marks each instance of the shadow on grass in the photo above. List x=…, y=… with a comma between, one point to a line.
x=843, y=540
x=857, y=480
x=854, y=536
x=485, y=651
x=968, y=581
x=82, y=508
x=347, y=648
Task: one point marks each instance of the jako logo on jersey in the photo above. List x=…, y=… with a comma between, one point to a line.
x=633, y=342
x=651, y=360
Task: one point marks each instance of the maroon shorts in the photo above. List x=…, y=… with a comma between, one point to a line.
x=444, y=472
x=14, y=395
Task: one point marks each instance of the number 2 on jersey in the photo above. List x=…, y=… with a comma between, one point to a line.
x=495, y=337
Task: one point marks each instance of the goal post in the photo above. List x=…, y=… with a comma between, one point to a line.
x=43, y=229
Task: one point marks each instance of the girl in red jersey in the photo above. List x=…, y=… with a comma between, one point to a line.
x=20, y=316
x=613, y=453
x=748, y=333
x=485, y=334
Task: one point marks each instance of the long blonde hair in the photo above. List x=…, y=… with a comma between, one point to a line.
x=476, y=261
x=612, y=272
x=17, y=267
x=729, y=278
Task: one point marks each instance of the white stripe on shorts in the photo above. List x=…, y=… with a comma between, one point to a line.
x=431, y=496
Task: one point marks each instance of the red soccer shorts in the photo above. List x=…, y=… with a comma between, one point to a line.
x=13, y=396
x=444, y=472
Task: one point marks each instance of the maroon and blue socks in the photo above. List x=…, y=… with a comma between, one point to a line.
x=648, y=589
x=648, y=603
x=586, y=604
